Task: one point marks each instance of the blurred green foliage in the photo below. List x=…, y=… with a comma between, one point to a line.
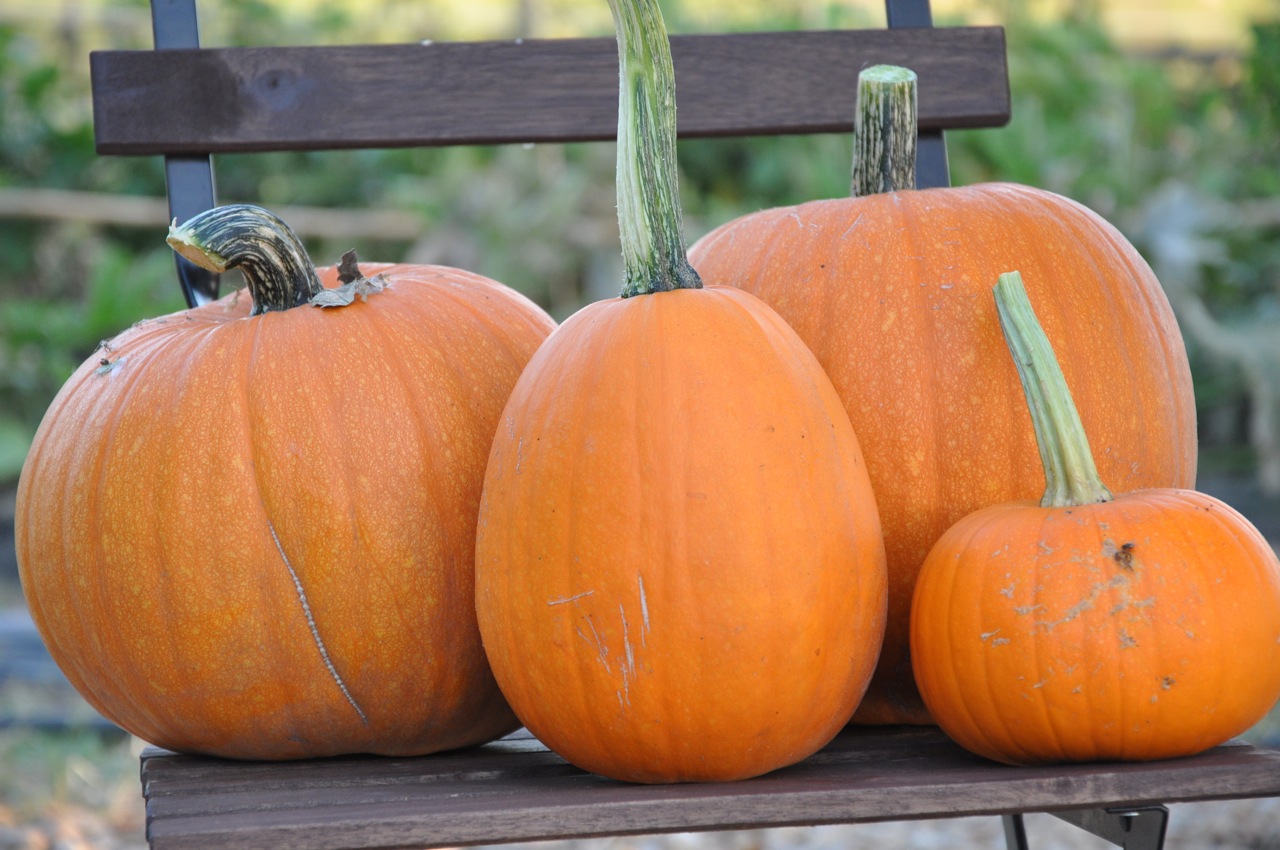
x=1090, y=121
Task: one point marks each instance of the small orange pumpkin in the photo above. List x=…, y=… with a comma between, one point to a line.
x=251, y=535
x=679, y=569
x=1085, y=627
x=890, y=290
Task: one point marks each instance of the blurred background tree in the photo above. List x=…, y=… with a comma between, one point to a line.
x=1164, y=119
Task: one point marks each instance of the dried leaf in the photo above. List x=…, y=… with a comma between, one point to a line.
x=339, y=297
x=343, y=295
x=348, y=269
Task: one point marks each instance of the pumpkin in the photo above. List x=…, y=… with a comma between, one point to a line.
x=1090, y=626
x=890, y=291
x=679, y=569
x=247, y=529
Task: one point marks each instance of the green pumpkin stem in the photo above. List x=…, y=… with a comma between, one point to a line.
x=1071, y=477
x=654, y=254
x=268, y=253
x=884, y=131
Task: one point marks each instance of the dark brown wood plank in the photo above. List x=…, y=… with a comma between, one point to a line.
x=519, y=792
x=519, y=755
x=308, y=98
x=203, y=786
x=186, y=775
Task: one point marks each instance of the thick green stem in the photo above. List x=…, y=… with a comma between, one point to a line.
x=649, y=219
x=1071, y=478
x=884, y=131
x=268, y=253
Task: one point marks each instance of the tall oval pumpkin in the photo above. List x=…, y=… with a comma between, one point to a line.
x=891, y=292
x=679, y=570
x=252, y=535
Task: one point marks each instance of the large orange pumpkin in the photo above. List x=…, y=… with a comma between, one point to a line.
x=1086, y=627
x=679, y=569
x=891, y=292
x=252, y=535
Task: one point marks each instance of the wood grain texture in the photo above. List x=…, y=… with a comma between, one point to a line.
x=309, y=98
x=514, y=790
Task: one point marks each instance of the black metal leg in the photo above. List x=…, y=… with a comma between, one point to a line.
x=1137, y=828
x=1015, y=832
x=932, y=168
x=1134, y=828
x=190, y=185
x=189, y=178
x=908, y=13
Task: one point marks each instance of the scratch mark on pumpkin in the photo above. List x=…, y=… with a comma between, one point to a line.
x=565, y=599
x=999, y=641
x=644, y=610
x=630, y=667
x=107, y=366
x=311, y=624
x=602, y=651
x=845, y=235
x=1086, y=603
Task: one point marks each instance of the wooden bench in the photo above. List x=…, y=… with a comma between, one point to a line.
x=187, y=103
x=516, y=790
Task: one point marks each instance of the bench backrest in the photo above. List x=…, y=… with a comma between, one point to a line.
x=186, y=103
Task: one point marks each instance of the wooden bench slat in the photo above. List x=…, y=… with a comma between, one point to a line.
x=520, y=756
x=524, y=794
x=380, y=96
x=492, y=770
x=167, y=774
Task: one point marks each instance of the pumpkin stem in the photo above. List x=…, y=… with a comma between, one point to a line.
x=1070, y=474
x=884, y=131
x=654, y=254
x=268, y=253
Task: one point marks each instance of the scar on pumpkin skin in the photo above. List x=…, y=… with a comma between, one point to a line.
x=644, y=610
x=629, y=665
x=602, y=651
x=106, y=366
x=565, y=599
x=311, y=623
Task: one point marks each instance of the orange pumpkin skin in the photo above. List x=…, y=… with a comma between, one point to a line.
x=253, y=536
x=679, y=568
x=1143, y=628
x=892, y=294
